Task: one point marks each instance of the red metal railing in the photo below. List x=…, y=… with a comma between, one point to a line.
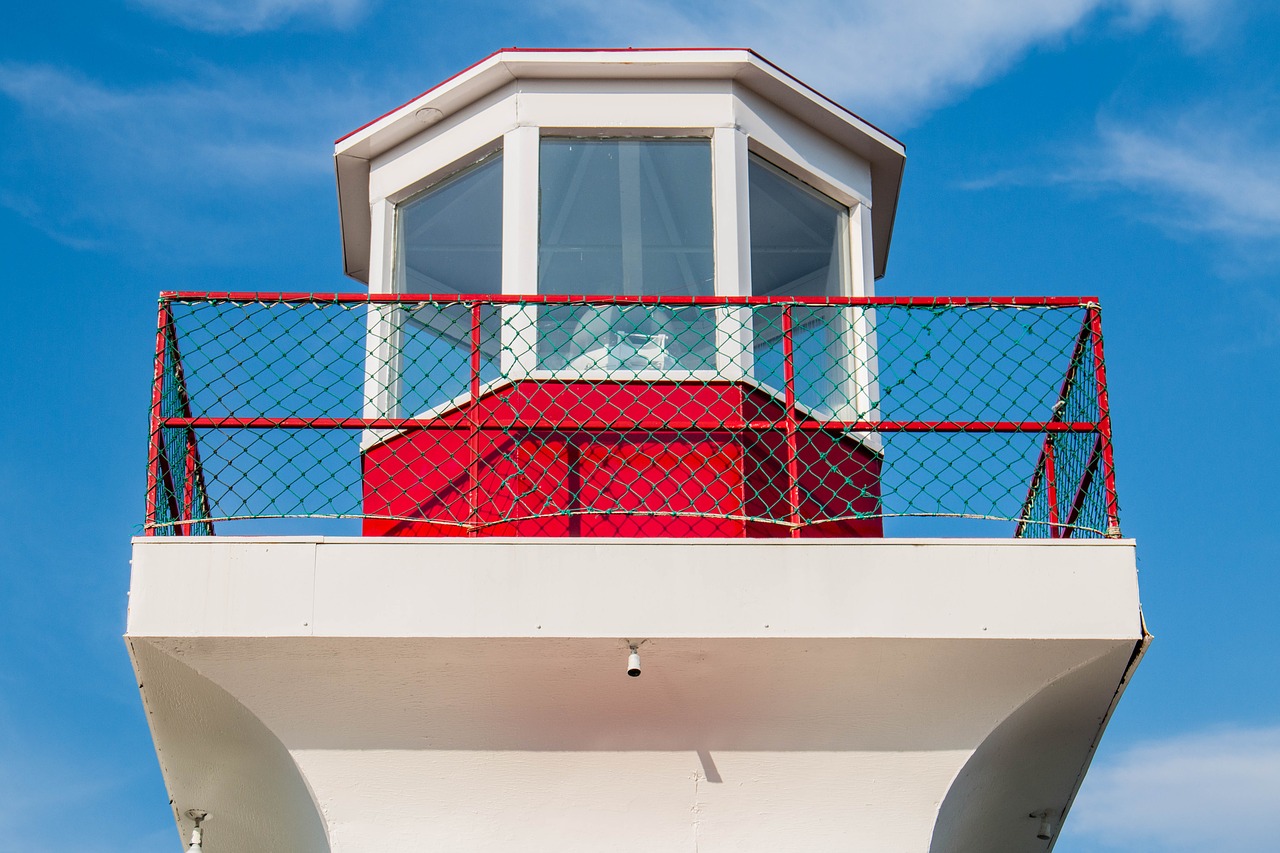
x=894, y=353
x=174, y=449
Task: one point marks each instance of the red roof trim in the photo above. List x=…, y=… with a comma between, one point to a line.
x=832, y=101
x=411, y=100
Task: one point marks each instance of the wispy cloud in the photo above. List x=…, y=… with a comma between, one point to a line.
x=223, y=127
x=1200, y=21
x=1203, y=172
x=250, y=16
x=1213, y=790
x=152, y=159
x=162, y=159
x=1208, y=169
x=891, y=61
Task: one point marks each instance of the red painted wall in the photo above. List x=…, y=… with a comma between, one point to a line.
x=551, y=459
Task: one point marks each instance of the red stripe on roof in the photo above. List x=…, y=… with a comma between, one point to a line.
x=793, y=78
x=411, y=100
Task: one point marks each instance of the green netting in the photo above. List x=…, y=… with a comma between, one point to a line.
x=181, y=503
x=1068, y=496
x=600, y=415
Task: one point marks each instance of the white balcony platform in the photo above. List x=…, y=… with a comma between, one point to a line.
x=361, y=694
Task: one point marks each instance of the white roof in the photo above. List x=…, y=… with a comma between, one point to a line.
x=353, y=152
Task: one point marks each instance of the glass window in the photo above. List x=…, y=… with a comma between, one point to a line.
x=797, y=236
x=449, y=238
x=625, y=217
x=799, y=240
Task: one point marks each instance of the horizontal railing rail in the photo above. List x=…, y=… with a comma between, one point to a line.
x=629, y=415
x=259, y=297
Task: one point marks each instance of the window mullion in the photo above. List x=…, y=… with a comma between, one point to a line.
x=732, y=248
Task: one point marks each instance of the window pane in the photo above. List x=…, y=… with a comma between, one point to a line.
x=625, y=216
x=797, y=236
x=798, y=248
x=449, y=238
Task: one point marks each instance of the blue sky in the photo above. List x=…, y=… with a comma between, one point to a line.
x=1124, y=148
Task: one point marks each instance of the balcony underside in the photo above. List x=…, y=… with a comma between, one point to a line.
x=470, y=695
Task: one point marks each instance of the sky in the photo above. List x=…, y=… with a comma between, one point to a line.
x=1128, y=149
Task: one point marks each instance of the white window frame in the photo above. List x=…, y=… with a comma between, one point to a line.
x=856, y=278
x=741, y=125
x=521, y=342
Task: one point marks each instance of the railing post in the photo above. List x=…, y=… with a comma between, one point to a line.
x=789, y=383
x=1051, y=486
x=473, y=432
x=1104, y=424
x=155, y=451
x=189, y=474
x=192, y=473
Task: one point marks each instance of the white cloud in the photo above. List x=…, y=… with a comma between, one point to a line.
x=891, y=61
x=1214, y=791
x=249, y=16
x=1199, y=19
x=222, y=128
x=1200, y=172
x=1205, y=169
x=170, y=160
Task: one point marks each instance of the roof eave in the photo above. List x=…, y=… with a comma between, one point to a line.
x=354, y=151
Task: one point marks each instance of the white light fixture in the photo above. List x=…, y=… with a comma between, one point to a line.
x=1045, y=831
x=197, y=834
x=428, y=115
x=633, y=661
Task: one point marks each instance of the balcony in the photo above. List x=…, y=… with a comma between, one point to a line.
x=758, y=417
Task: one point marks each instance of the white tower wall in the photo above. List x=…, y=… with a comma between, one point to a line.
x=471, y=695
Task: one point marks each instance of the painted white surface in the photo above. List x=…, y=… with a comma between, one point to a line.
x=732, y=247
x=520, y=150
x=801, y=150
x=443, y=148
x=656, y=801
x=546, y=745
x=384, y=344
x=218, y=757
x=677, y=106
x=732, y=234
x=615, y=588
x=471, y=695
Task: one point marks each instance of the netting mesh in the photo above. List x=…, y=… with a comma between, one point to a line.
x=629, y=417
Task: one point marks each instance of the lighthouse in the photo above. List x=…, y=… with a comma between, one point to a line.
x=620, y=512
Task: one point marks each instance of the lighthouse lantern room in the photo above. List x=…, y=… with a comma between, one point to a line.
x=636, y=221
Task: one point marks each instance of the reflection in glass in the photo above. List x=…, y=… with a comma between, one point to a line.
x=434, y=354
x=797, y=236
x=449, y=238
x=799, y=240
x=626, y=337
x=625, y=217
